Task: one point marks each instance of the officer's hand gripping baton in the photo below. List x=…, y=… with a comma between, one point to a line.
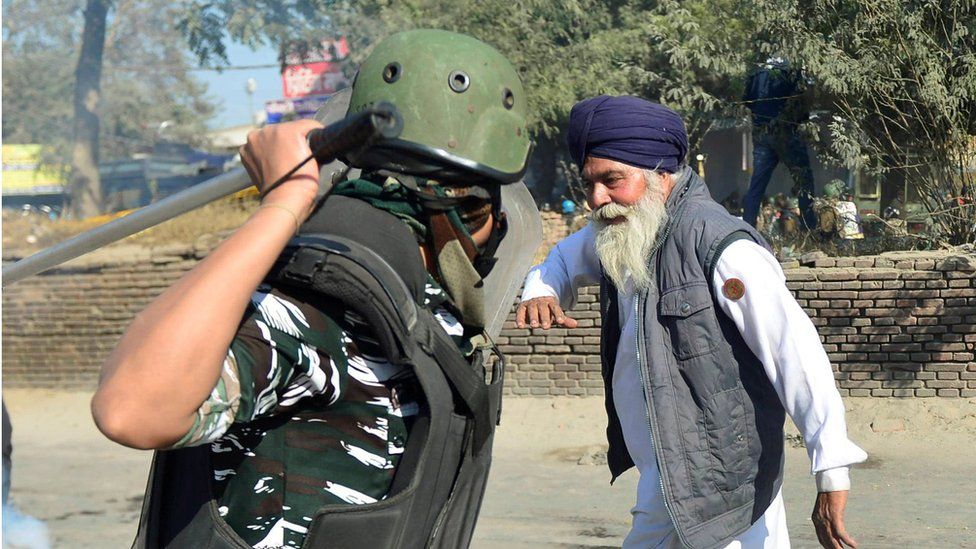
x=346, y=138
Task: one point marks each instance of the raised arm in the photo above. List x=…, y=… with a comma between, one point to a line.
x=553, y=285
x=781, y=335
x=171, y=355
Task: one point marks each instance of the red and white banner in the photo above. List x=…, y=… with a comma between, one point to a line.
x=312, y=79
x=317, y=72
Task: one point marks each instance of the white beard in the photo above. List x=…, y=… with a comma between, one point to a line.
x=623, y=247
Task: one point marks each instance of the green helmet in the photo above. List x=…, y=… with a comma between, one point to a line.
x=462, y=103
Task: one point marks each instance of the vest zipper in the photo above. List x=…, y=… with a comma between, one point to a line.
x=651, y=419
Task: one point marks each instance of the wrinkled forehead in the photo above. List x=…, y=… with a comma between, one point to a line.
x=597, y=169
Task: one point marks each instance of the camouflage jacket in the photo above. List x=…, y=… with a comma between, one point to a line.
x=306, y=413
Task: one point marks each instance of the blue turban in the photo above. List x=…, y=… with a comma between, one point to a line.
x=629, y=130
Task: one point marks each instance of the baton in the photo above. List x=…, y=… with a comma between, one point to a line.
x=348, y=137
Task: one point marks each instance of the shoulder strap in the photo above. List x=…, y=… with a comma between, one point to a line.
x=340, y=268
x=467, y=382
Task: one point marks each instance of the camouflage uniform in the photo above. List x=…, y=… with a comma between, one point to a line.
x=306, y=413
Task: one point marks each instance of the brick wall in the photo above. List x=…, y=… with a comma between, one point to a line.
x=59, y=327
x=893, y=325
x=896, y=325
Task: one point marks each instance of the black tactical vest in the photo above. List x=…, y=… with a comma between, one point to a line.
x=368, y=261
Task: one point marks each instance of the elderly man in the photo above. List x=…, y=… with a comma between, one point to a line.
x=703, y=346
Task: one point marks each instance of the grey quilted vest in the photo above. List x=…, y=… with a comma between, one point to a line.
x=714, y=416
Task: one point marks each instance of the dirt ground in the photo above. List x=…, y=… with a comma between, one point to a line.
x=549, y=487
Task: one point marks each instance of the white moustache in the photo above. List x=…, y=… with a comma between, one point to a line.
x=612, y=210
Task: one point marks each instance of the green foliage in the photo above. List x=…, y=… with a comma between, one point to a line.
x=897, y=79
x=147, y=78
x=900, y=78
x=684, y=54
x=208, y=24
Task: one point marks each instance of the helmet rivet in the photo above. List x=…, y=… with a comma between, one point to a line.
x=459, y=81
x=518, y=132
x=391, y=73
x=452, y=143
x=471, y=109
x=509, y=99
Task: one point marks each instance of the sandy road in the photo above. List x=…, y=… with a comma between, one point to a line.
x=548, y=488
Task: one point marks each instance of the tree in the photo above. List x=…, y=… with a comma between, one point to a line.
x=687, y=55
x=684, y=54
x=205, y=26
x=901, y=77
x=146, y=81
x=85, y=187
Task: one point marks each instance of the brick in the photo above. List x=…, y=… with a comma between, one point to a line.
x=880, y=329
x=828, y=313
x=957, y=292
x=925, y=393
x=937, y=346
x=877, y=274
x=945, y=367
x=878, y=294
x=945, y=384
x=922, y=275
x=862, y=347
x=930, y=329
x=858, y=367
x=838, y=294
x=902, y=384
x=835, y=330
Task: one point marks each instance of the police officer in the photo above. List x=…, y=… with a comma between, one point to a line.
x=298, y=405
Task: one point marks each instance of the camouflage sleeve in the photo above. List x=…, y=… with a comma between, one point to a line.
x=284, y=351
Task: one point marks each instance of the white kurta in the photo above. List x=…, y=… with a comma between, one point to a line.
x=776, y=330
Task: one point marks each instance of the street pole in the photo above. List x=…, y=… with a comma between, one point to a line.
x=249, y=87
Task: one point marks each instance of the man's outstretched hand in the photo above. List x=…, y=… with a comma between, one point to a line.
x=542, y=312
x=828, y=519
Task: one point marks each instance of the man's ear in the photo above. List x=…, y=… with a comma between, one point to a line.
x=667, y=182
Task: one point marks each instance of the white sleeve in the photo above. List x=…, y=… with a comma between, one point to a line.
x=781, y=335
x=571, y=263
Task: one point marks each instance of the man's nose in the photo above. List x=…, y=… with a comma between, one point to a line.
x=598, y=196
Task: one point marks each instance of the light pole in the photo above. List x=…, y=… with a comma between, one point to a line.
x=249, y=87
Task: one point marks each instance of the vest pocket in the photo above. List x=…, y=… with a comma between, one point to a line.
x=686, y=314
x=727, y=439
